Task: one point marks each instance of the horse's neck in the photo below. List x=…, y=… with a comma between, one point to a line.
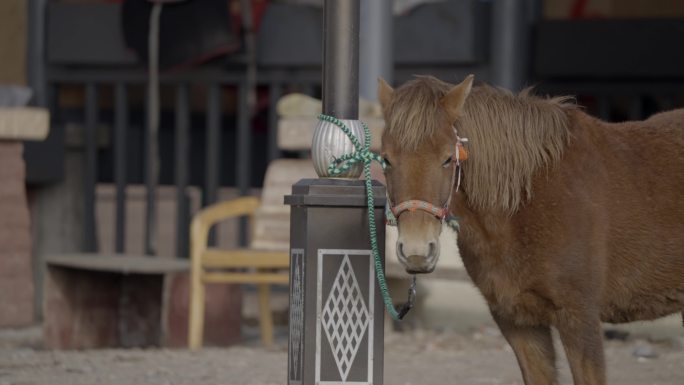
x=484, y=233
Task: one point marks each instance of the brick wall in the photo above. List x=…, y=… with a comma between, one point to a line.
x=16, y=274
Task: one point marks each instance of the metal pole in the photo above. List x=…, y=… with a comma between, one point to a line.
x=120, y=128
x=243, y=169
x=510, y=43
x=340, y=86
x=341, y=58
x=213, y=143
x=181, y=168
x=376, y=47
x=153, y=116
x=90, y=180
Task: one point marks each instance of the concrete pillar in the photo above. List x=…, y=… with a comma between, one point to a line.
x=336, y=310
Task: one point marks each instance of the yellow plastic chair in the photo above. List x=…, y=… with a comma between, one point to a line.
x=237, y=266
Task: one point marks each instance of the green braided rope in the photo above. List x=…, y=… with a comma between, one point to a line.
x=343, y=164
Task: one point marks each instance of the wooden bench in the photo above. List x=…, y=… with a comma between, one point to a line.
x=132, y=300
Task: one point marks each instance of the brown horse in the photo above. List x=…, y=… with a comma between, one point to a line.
x=565, y=220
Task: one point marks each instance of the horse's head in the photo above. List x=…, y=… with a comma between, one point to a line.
x=419, y=145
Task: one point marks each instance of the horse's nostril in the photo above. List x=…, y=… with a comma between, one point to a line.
x=400, y=247
x=433, y=249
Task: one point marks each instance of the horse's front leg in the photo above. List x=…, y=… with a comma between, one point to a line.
x=583, y=342
x=533, y=347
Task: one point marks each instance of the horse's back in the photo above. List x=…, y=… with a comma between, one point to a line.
x=672, y=118
x=645, y=209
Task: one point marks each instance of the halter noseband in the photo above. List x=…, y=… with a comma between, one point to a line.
x=440, y=212
x=413, y=205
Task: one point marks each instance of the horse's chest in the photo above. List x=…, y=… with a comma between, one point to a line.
x=514, y=287
x=514, y=296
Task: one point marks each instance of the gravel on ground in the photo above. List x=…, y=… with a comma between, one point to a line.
x=411, y=358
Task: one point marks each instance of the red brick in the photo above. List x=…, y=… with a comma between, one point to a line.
x=14, y=266
x=16, y=273
x=17, y=302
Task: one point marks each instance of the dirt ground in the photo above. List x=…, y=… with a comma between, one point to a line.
x=411, y=358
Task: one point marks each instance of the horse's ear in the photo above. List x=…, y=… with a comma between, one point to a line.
x=385, y=92
x=454, y=100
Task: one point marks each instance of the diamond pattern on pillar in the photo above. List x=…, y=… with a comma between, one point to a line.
x=296, y=314
x=345, y=318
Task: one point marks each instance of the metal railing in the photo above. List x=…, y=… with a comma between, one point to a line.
x=504, y=65
x=94, y=80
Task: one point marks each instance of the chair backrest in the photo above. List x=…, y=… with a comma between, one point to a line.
x=271, y=229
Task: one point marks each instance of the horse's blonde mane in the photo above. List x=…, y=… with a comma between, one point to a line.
x=510, y=136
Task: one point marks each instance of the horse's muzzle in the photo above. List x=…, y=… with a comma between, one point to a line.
x=417, y=262
x=421, y=270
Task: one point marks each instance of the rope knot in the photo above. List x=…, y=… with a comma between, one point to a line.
x=362, y=153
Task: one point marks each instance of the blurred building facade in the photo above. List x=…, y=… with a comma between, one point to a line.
x=86, y=62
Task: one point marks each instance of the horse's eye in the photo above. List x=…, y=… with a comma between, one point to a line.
x=387, y=162
x=447, y=162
